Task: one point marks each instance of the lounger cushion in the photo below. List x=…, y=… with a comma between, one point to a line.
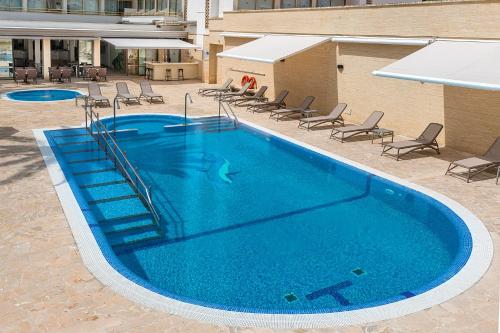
x=352, y=128
x=404, y=144
x=472, y=162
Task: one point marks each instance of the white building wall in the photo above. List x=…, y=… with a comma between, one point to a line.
x=196, y=12
x=226, y=6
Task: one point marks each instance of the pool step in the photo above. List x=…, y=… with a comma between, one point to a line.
x=89, y=167
x=98, y=179
x=118, y=198
x=120, y=240
x=114, y=210
x=69, y=131
x=129, y=225
x=73, y=140
x=107, y=192
x=79, y=147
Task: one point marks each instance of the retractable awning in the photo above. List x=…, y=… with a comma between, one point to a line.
x=273, y=48
x=142, y=43
x=470, y=64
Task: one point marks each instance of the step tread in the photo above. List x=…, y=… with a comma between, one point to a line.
x=107, y=191
x=120, y=240
x=72, y=140
x=98, y=178
x=79, y=147
x=113, y=210
x=91, y=166
x=128, y=225
x=68, y=131
x=84, y=155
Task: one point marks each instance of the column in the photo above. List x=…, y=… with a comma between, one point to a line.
x=38, y=57
x=25, y=5
x=64, y=6
x=314, y=3
x=46, y=58
x=30, y=50
x=72, y=51
x=96, y=53
x=277, y=4
x=102, y=6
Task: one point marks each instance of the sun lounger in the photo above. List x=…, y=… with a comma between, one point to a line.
x=123, y=94
x=476, y=165
x=244, y=100
x=285, y=113
x=334, y=117
x=278, y=103
x=370, y=124
x=426, y=140
x=148, y=94
x=213, y=91
x=96, y=97
x=225, y=97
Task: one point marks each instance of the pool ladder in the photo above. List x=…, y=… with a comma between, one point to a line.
x=107, y=142
x=228, y=110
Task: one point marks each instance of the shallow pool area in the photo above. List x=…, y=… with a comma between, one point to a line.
x=254, y=223
x=41, y=95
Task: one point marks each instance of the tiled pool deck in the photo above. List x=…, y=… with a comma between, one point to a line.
x=45, y=287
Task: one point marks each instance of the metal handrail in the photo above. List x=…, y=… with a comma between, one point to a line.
x=228, y=113
x=120, y=160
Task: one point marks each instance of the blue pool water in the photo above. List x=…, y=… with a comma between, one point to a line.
x=42, y=95
x=251, y=222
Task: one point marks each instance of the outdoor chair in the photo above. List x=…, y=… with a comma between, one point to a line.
x=66, y=74
x=225, y=97
x=212, y=91
x=96, y=97
x=244, y=100
x=102, y=73
x=334, y=117
x=123, y=94
x=277, y=103
x=300, y=110
x=148, y=94
x=477, y=165
x=426, y=140
x=371, y=123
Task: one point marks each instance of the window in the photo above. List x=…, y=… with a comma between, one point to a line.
x=11, y=4
x=51, y=5
x=255, y=4
x=330, y=3
x=295, y=3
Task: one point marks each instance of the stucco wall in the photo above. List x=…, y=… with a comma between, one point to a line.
x=408, y=106
x=471, y=118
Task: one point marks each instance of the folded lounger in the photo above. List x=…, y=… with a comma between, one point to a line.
x=124, y=94
x=96, y=97
x=476, y=165
x=370, y=124
x=278, y=103
x=213, y=91
x=244, y=100
x=226, y=97
x=148, y=94
x=426, y=140
x=300, y=110
x=334, y=117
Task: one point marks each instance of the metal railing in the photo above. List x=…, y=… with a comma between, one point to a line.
x=228, y=110
x=106, y=141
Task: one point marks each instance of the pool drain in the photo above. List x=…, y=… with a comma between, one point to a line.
x=290, y=297
x=358, y=272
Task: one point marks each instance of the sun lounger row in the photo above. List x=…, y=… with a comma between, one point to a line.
x=123, y=94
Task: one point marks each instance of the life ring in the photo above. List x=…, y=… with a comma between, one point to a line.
x=253, y=83
x=244, y=80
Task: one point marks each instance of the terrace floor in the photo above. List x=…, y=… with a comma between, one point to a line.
x=45, y=287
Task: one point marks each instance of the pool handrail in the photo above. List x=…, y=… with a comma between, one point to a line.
x=120, y=160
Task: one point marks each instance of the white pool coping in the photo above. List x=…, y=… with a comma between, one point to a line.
x=5, y=96
x=477, y=265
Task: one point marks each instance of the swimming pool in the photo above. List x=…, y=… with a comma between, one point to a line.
x=256, y=224
x=42, y=95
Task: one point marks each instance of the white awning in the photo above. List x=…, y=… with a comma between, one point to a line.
x=470, y=64
x=273, y=48
x=142, y=43
x=241, y=35
x=382, y=40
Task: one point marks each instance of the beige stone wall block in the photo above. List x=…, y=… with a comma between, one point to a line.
x=471, y=118
x=236, y=69
x=312, y=72
x=408, y=106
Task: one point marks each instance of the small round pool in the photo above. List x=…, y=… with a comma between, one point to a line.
x=42, y=95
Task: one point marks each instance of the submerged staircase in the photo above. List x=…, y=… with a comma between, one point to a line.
x=112, y=189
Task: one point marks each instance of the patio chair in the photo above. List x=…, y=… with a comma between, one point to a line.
x=93, y=74
x=225, y=97
x=20, y=74
x=123, y=94
x=477, y=165
x=32, y=74
x=278, y=103
x=148, y=94
x=334, y=117
x=244, y=100
x=426, y=140
x=55, y=75
x=367, y=126
x=285, y=113
x=96, y=97
x=102, y=73
x=66, y=74
x=212, y=91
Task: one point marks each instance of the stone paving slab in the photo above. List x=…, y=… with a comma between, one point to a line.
x=44, y=286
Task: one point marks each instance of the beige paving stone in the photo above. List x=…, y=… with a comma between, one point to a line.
x=44, y=286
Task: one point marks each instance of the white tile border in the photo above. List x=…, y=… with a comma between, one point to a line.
x=5, y=95
x=474, y=269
